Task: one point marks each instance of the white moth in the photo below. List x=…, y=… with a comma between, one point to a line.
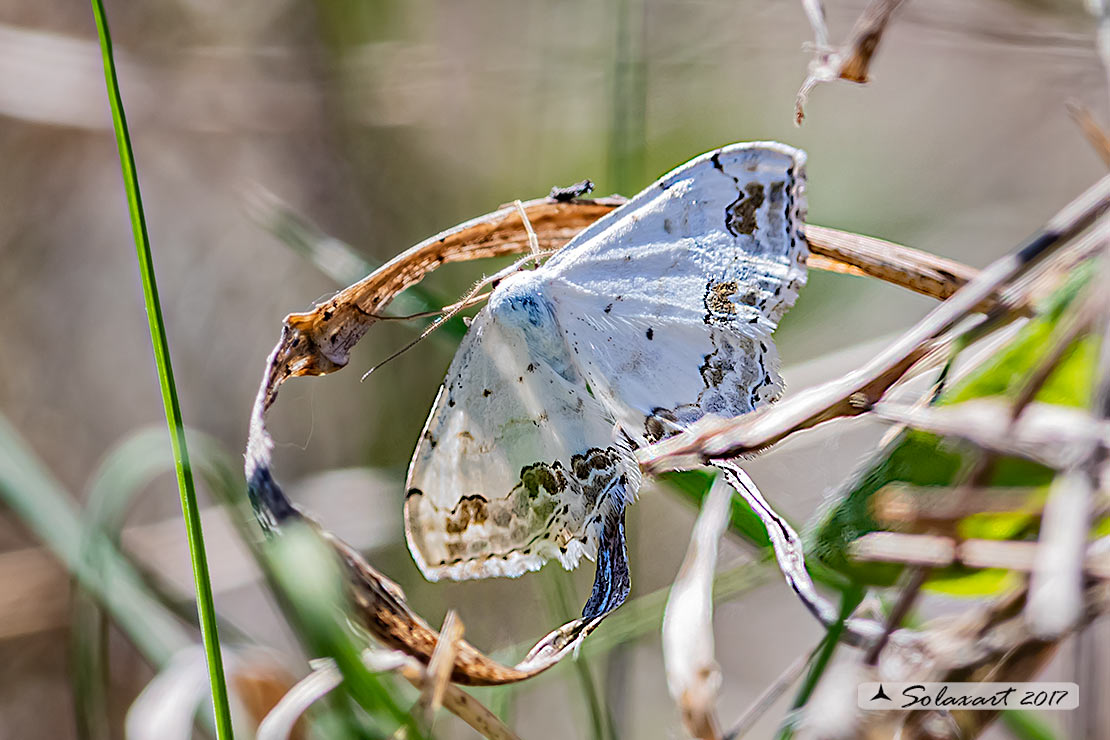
x=656, y=315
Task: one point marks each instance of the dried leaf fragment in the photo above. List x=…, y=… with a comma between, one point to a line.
x=693, y=677
x=853, y=61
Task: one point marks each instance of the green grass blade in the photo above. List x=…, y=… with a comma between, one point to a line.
x=125, y=473
x=309, y=581
x=1025, y=725
x=205, y=608
x=51, y=514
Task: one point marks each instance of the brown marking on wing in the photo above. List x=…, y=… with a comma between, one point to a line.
x=470, y=510
x=717, y=297
x=740, y=214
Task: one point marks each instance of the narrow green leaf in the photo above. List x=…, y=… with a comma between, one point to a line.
x=1026, y=725
x=694, y=486
x=53, y=516
x=205, y=608
x=305, y=572
x=557, y=594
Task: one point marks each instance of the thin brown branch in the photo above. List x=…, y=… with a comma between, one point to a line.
x=928, y=274
x=936, y=551
x=914, y=508
x=866, y=35
x=320, y=341
x=918, y=574
x=769, y=696
x=1091, y=129
x=975, y=475
x=438, y=674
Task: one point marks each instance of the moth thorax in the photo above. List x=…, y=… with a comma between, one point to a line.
x=519, y=302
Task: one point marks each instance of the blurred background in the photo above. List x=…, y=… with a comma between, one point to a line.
x=381, y=123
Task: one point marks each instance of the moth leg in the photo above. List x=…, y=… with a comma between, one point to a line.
x=791, y=557
x=612, y=583
x=612, y=580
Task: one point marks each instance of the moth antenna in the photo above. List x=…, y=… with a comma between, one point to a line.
x=445, y=314
x=470, y=299
x=407, y=317
x=466, y=302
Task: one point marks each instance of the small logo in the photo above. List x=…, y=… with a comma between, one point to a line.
x=880, y=694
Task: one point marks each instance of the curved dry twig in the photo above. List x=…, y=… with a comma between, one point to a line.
x=853, y=61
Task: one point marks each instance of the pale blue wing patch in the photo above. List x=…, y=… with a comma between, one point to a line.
x=659, y=385
x=669, y=303
x=718, y=240
x=518, y=463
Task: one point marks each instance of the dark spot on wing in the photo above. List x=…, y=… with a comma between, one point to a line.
x=740, y=214
x=712, y=372
x=473, y=509
x=539, y=476
x=432, y=441
x=655, y=427
x=717, y=303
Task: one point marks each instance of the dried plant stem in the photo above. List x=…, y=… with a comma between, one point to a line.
x=866, y=34
x=917, y=577
x=205, y=607
x=770, y=695
x=1091, y=129
x=853, y=61
x=976, y=476
x=937, y=551
x=439, y=670
x=916, y=508
x=833, y=250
